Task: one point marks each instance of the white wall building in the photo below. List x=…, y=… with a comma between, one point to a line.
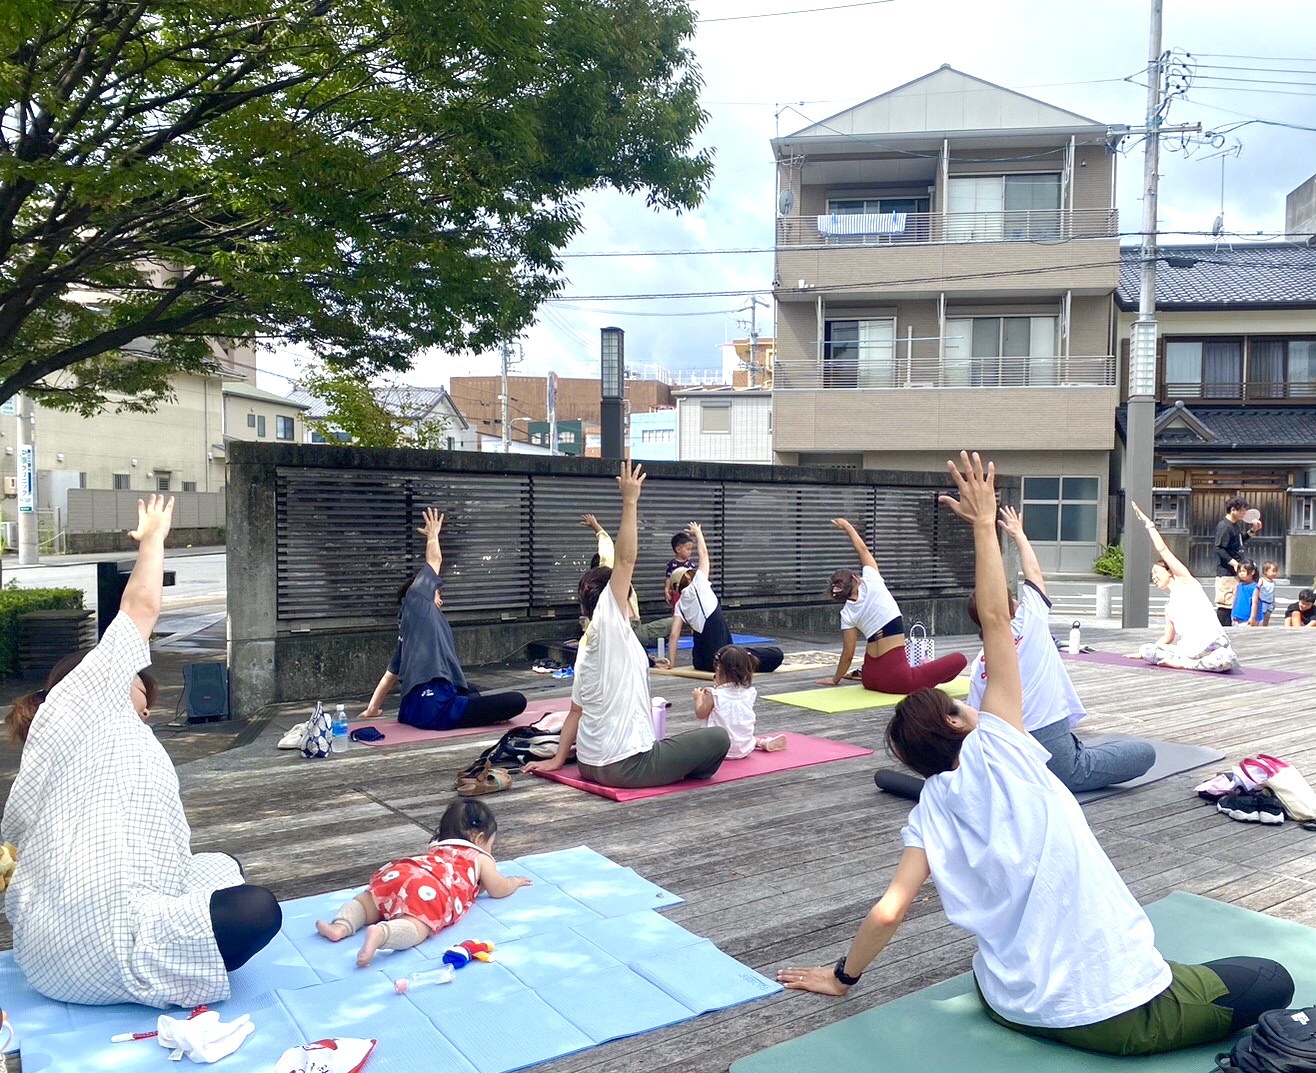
x=724, y=425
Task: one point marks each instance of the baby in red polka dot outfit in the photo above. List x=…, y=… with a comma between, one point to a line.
x=409, y=899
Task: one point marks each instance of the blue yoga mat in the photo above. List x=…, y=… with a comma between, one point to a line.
x=577, y=964
x=736, y=638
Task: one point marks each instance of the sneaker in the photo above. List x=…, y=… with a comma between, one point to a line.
x=545, y=666
x=564, y=672
x=293, y=738
x=1251, y=808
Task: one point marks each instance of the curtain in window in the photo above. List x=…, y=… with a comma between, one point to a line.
x=1265, y=369
x=1222, y=370
x=877, y=353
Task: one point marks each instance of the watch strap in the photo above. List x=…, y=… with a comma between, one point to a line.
x=840, y=973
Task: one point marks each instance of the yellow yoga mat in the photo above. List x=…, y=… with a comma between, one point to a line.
x=834, y=699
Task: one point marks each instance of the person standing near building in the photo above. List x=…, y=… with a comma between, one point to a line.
x=1230, y=536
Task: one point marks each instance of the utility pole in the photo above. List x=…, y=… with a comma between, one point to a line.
x=754, y=302
x=507, y=424
x=28, y=552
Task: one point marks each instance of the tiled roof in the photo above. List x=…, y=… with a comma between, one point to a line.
x=416, y=400
x=1244, y=427
x=1211, y=277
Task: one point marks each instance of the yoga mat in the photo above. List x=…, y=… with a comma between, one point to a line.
x=684, y=672
x=1172, y=757
x=551, y=991
x=801, y=751
x=396, y=733
x=1262, y=675
x=686, y=643
x=944, y=1028
x=836, y=699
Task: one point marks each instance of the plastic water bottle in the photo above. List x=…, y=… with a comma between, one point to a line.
x=442, y=975
x=340, y=738
x=658, y=712
x=1075, y=639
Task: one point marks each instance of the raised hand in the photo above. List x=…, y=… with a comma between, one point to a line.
x=155, y=516
x=590, y=522
x=630, y=481
x=433, y=523
x=1137, y=513
x=843, y=524
x=977, y=488
x=694, y=529
x=1011, y=522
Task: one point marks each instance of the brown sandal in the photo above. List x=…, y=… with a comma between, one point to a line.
x=489, y=780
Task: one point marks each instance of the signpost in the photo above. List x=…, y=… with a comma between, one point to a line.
x=27, y=479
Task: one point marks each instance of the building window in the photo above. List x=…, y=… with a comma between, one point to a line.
x=1280, y=368
x=189, y=486
x=859, y=353
x=917, y=225
x=1003, y=208
x=566, y=437
x=283, y=427
x=1204, y=368
x=657, y=435
x=1000, y=352
x=123, y=482
x=162, y=482
x=715, y=417
x=251, y=420
x=1061, y=509
x=260, y=426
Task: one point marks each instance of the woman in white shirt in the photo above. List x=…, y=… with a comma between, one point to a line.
x=1193, y=639
x=870, y=612
x=610, y=723
x=1064, y=950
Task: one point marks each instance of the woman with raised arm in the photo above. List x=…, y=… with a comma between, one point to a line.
x=1065, y=951
x=697, y=604
x=870, y=612
x=109, y=903
x=610, y=724
x=1193, y=639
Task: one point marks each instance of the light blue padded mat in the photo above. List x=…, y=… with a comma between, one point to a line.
x=578, y=964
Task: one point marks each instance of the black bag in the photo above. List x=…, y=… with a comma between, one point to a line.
x=517, y=748
x=1284, y=1041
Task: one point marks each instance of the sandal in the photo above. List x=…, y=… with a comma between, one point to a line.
x=489, y=780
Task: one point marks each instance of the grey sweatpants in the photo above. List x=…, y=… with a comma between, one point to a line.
x=696, y=754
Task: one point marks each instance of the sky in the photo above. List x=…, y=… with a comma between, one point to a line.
x=775, y=73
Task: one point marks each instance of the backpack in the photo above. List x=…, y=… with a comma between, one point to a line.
x=1284, y=1041
x=517, y=748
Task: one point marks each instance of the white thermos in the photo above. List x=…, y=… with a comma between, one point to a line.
x=658, y=711
x=1075, y=639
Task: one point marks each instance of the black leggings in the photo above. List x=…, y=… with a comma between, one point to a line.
x=1255, y=986
x=482, y=711
x=244, y=919
x=715, y=635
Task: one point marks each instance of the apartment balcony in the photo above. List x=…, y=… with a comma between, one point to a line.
x=1253, y=391
x=917, y=254
x=898, y=374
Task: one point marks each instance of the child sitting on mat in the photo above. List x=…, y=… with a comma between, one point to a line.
x=408, y=899
x=730, y=703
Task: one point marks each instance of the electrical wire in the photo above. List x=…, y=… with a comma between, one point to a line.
x=799, y=11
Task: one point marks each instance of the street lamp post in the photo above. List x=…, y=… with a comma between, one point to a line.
x=612, y=402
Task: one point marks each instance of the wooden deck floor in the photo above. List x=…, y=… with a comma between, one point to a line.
x=780, y=869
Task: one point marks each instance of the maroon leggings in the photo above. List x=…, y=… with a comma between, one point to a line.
x=891, y=672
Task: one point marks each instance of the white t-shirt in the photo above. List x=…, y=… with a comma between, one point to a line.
x=1061, y=941
x=611, y=686
x=1049, y=695
x=874, y=607
x=696, y=603
x=733, y=711
x=1192, y=614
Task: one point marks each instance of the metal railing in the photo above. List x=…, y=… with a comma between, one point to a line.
x=1255, y=389
x=894, y=373
x=922, y=228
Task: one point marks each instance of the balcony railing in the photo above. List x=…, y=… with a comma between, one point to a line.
x=922, y=228
x=812, y=374
x=1253, y=390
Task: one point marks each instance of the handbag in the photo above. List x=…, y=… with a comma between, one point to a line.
x=1285, y=781
x=919, y=647
x=319, y=733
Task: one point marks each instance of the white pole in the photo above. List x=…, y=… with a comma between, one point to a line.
x=507, y=425
x=28, y=552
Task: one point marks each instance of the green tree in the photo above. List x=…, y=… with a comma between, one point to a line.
x=368, y=178
x=371, y=414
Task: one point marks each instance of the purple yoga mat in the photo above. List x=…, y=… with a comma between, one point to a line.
x=1246, y=674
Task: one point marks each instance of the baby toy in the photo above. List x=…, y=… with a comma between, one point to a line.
x=463, y=954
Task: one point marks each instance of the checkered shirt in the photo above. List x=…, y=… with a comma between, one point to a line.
x=108, y=903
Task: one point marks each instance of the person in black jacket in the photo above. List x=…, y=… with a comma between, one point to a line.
x=1230, y=536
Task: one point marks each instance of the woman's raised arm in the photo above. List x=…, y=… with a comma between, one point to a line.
x=1168, y=557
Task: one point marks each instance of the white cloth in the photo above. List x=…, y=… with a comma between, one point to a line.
x=203, y=1038
x=1049, y=695
x=1192, y=614
x=611, y=685
x=108, y=903
x=696, y=602
x=1061, y=941
x=733, y=711
x=872, y=609
x=338, y=1055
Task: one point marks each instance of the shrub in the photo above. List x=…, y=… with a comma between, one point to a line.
x=1110, y=562
x=15, y=602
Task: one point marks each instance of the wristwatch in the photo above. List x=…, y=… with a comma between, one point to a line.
x=840, y=973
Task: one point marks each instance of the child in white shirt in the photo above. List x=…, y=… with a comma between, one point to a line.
x=730, y=703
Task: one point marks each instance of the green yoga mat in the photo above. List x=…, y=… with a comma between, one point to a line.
x=944, y=1027
x=834, y=699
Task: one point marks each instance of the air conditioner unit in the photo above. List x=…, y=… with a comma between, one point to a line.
x=11, y=486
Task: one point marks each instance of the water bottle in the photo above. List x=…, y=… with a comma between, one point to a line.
x=1075, y=640
x=340, y=738
x=658, y=713
x=442, y=975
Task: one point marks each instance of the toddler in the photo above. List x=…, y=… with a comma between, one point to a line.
x=730, y=703
x=1264, y=601
x=1247, y=588
x=408, y=899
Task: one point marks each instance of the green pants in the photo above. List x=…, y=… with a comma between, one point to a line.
x=1183, y=1015
x=647, y=632
x=696, y=754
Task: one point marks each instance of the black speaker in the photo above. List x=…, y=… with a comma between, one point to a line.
x=205, y=691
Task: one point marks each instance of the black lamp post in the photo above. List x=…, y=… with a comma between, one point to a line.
x=612, y=404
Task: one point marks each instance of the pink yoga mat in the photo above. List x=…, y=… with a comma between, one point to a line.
x=396, y=733
x=1246, y=674
x=801, y=751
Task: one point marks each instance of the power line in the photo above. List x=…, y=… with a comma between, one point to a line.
x=1275, y=59
x=799, y=11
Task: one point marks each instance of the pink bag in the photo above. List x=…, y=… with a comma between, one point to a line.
x=1285, y=781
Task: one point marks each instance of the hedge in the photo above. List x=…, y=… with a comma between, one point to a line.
x=16, y=602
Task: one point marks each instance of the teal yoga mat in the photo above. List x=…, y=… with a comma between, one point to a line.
x=944, y=1028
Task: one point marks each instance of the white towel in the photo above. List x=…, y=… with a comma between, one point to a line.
x=203, y=1038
